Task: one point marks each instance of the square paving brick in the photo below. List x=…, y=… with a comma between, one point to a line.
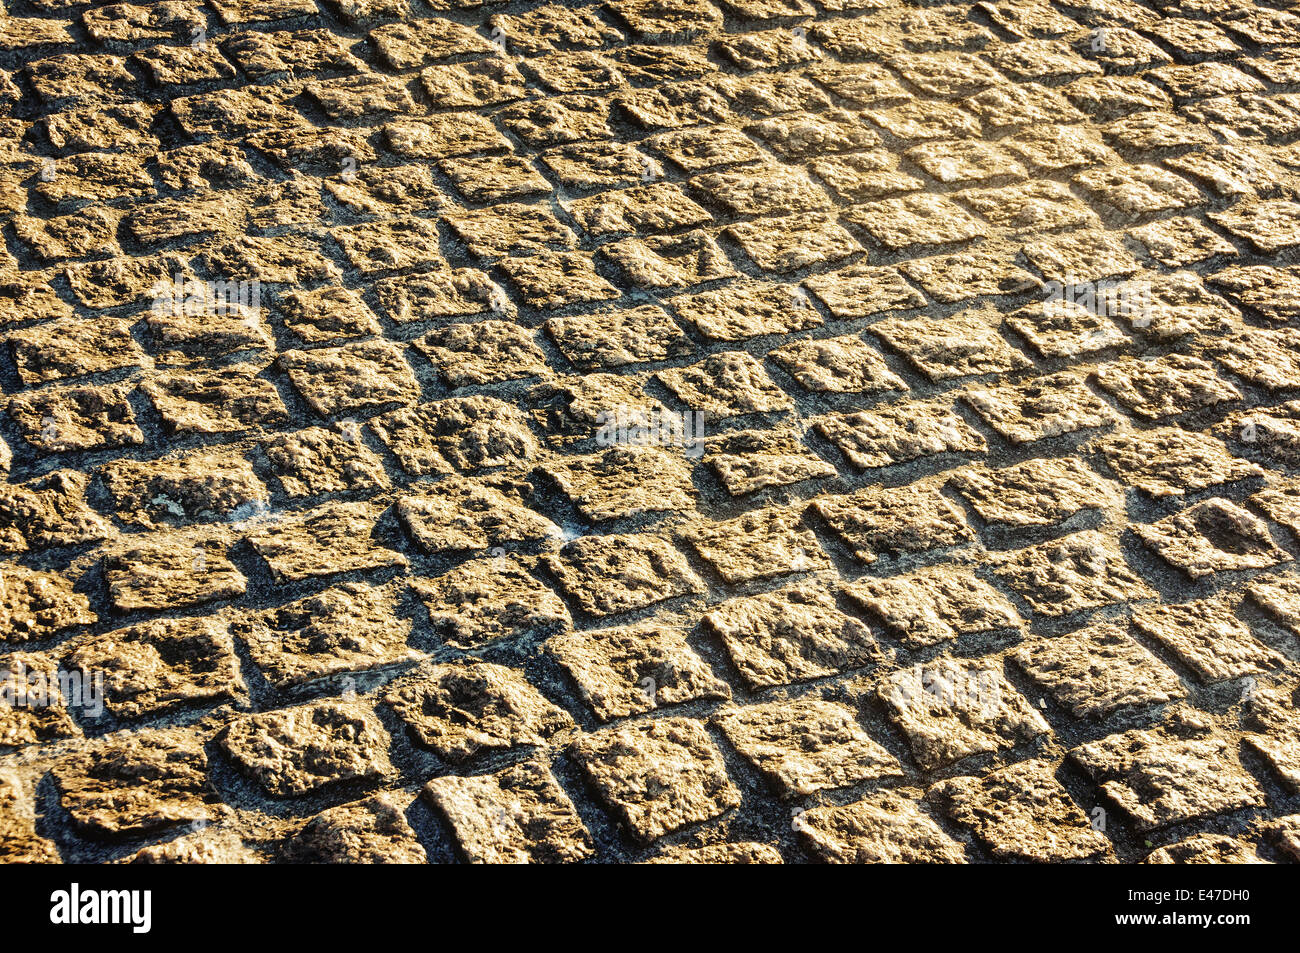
x=912, y=220
x=551, y=280
x=634, y=669
x=762, y=544
x=1213, y=536
x=1097, y=671
x=934, y=604
x=657, y=776
x=669, y=261
x=792, y=242
x=658, y=207
x=198, y=487
x=231, y=399
x=518, y=815
x=1082, y=571
x=459, y=514
x=484, y=600
x=608, y=575
x=352, y=378
x=951, y=709
x=791, y=635
x=961, y=345
x=899, y=432
x=1180, y=771
x=1170, y=461
x=887, y=828
x=1044, y=407
x=488, y=352
x=347, y=628
x=1021, y=813
x=807, y=745
x=1274, y=730
x=1208, y=638
x=895, y=522
x=470, y=707
x=76, y=418
x=726, y=385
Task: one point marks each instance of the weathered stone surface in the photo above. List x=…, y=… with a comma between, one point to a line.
x=934, y=605
x=1035, y=493
x=951, y=709
x=170, y=570
x=336, y=538
x=462, y=514
x=899, y=432
x=887, y=828
x=516, y=816
x=1097, y=671
x=1179, y=771
x=624, y=482
x=743, y=853
x=657, y=776
x=294, y=751
x=608, y=575
x=315, y=460
x=1082, y=571
x=467, y=433
x=34, y=604
x=750, y=460
x=1021, y=813
x=634, y=669
x=349, y=628
x=894, y=522
x=1044, y=407
x=199, y=487
x=19, y=842
x=373, y=831
x=129, y=785
x=1274, y=729
x=1205, y=849
x=351, y=379
x=1208, y=638
x=1170, y=461
x=1166, y=386
x=465, y=708
x=843, y=365
x=484, y=600
x=806, y=746
x=1213, y=536
x=34, y=709
x=230, y=399
x=762, y=544
x=791, y=635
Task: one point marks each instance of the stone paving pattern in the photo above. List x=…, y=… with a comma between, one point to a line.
x=963, y=572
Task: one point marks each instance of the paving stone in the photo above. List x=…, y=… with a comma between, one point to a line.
x=841, y=365
x=1044, y=407
x=899, y=432
x=862, y=176
x=74, y=348
x=552, y=280
x=35, y=708
x=481, y=82
x=618, y=337
x=921, y=219
x=462, y=514
x=488, y=352
x=744, y=309
x=1208, y=638
x=348, y=628
x=465, y=708
x=443, y=135
x=863, y=290
x=34, y=605
x=335, y=538
x=1281, y=504
x=1269, y=290
x=161, y=664
x=920, y=120
x=608, y=575
x=49, y=511
x=136, y=784
x=485, y=600
x=170, y=570
x=1273, y=732
x=416, y=43
x=599, y=165
x=467, y=433
x=727, y=384
x=700, y=150
x=76, y=418
x=1060, y=148
x=295, y=751
x=791, y=635
x=351, y=378
x=623, y=482
x=1035, y=493
x=1269, y=226
x=1176, y=242
x=634, y=669
x=439, y=293
x=1021, y=813
x=794, y=242
x=190, y=488
x=19, y=842
x=1165, y=386
x=373, y=831
x=230, y=399
x=806, y=746
x=518, y=815
x=750, y=460
x=761, y=190
x=1009, y=107
x=962, y=345
x=1097, y=671
x=1205, y=849
x=1179, y=771
x=493, y=178
x=742, y=853
x=951, y=709
x=657, y=776
x=1082, y=571
x=887, y=828
x=762, y=544
x=894, y=522
x=1170, y=461
x=315, y=460
x=1213, y=536
x=934, y=604
x=667, y=261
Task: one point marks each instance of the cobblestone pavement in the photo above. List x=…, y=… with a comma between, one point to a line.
x=653, y=430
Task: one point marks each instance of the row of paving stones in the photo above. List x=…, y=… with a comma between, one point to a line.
x=928, y=583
